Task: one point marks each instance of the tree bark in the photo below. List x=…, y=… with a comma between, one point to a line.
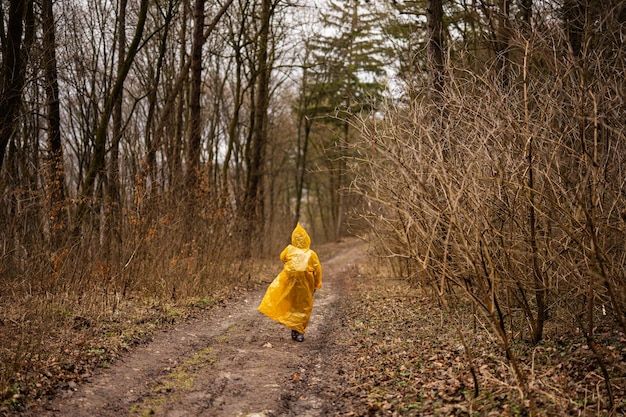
x=114, y=169
x=98, y=162
x=13, y=70
x=538, y=279
x=152, y=103
x=434, y=19
x=173, y=99
x=301, y=167
x=253, y=201
x=237, y=104
x=574, y=19
x=56, y=173
x=500, y=30
x=194, y=142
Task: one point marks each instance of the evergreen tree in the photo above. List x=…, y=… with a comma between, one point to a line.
x=348, y=63
x=345, y=79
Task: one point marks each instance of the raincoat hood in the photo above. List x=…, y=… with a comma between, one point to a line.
x=300, y=238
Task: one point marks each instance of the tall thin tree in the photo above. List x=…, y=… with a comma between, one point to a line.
x=98, y=160
x=56, y=173
x=113, y=193
x=253, y=200
x=14, y=60
x=434, y=17
x=195, y=129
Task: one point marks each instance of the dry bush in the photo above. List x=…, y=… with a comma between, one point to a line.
x=67, y=305
x=512, y=196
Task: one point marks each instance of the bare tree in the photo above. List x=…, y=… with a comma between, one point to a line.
x=434, y=15
x=238, y=91
x=97, y=164
x=195, y=128
x=253, y=199
x=113, y=192
x=155, y=76
x=15, y=44
x=56, y=176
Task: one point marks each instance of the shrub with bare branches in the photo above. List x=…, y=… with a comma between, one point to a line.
x=512, y=197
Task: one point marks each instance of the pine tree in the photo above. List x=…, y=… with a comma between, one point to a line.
x=345, y=79
x=348, y=65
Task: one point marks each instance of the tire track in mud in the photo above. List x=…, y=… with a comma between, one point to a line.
x=233, y=362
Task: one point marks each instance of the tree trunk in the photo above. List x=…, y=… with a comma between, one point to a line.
x=538, y=278
x=253, y=201
x=574, y=18
x=194, y=143
x=234, y=121
x=301, y=169
x=14, y=59
x=500, y=30
x=341, y=183
x=151, y=147
x=56, y=171
x=98, y=163
x=174, y=100
x=434, y=19
x=172, y=121
x=114, y=169
x=308, y=106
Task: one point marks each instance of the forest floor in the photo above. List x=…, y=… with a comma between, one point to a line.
x=375, y=346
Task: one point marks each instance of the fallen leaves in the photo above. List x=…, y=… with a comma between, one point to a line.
x=408, y=360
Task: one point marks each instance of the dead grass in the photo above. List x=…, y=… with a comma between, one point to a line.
x=76, y=305
x=60, y=348
x=66, y=310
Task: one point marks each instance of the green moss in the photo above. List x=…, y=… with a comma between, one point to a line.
x=205, y=302
x=179, y=379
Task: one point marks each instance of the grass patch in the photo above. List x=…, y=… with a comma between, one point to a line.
x=176, y=381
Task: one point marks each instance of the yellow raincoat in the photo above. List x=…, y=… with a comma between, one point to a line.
x=289, y=298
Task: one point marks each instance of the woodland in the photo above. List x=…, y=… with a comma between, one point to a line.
x=153, y=153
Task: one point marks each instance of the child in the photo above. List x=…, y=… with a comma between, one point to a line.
x=289, y=298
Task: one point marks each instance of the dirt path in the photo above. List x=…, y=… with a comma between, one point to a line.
x=233, y=362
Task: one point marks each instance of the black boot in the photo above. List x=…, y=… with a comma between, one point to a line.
x=298, y=337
